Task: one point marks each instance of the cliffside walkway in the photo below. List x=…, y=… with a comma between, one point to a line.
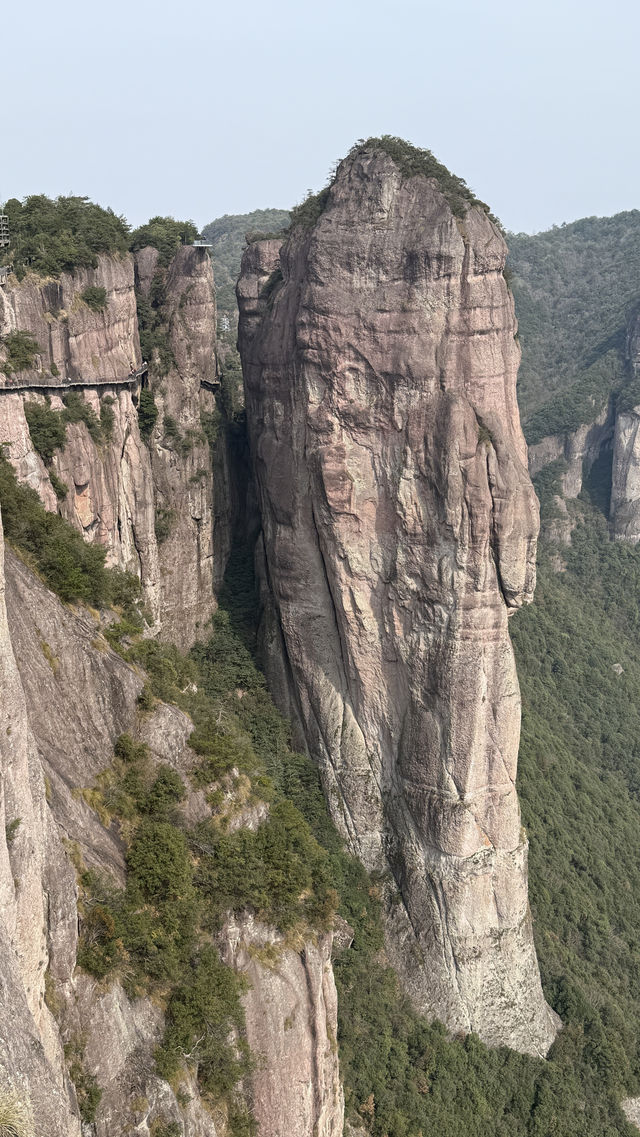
x=52, y=384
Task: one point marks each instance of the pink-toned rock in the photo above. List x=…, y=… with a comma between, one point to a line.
x=83, y=344
x=399, y=531
x=291, y=1016
x=191, y=490
x=162, y=511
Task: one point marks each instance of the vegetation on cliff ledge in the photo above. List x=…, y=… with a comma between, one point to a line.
x=164, y=234
x=67, y=564
x=579, y=666
x=53, y=236
x=412, y=162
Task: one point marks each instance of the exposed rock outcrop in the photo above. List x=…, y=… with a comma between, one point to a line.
x=79, y=342
x=66, y=698
x=579, y=449
x=399, y=531
x=291, y=1014
x=154, y=507
x=31, y=1054
x=191, y=481
x=624, y=513
x=110, y=492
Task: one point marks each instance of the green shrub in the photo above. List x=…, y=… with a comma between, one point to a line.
x=21, y=349
x=210, y=421
x=160, y=862
x=95, y=298
x=173, y=437
x=11, y=830
x=70, y=566
x=163, y=522
x=202, y=1011
x=155, y=339
x=167, y=790
x=46, y=427
x=146, y=700
x=147, y=413
x=60, y=488
x=88, y=1092
x=412, y=162
x=77, y=409
x=107, y=417
x=165, y=234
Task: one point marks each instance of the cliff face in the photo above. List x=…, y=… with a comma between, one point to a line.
x=611, y=440
x=192, y=486
x=83, y=344
x=399, y=528
x=152, y=506
x=66, y=698
x=624, y=512
x=291, y=1015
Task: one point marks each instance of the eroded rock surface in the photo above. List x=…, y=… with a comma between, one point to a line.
x=66, y=698
x=292, y=1027
x=164, y=510
x=192, y=487
x=399, y=531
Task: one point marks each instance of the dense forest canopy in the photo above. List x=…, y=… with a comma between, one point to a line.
x=165, y=234
x=575, y=287
x=50, y=236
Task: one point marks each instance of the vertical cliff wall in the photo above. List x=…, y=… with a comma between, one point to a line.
x=31, y=1056
x=151, y=504
x=66, y=698
x=191, y=479
x=399, y=531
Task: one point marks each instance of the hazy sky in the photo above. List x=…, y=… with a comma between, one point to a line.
x=197, y=109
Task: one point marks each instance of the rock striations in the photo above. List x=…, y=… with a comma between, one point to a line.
x=65, y=698
x=152, y=506
x=399, y=532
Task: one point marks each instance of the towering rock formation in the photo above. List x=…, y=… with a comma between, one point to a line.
x=624, y=510
x=151, y=506
x=399, y=532
x=193, y=500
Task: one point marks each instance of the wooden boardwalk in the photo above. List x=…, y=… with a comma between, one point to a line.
x=51, y=384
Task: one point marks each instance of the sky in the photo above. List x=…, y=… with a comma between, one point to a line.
x=196, y=109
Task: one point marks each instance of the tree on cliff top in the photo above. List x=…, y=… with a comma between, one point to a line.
x=412, y=162
x=165, y=234
x=50, y=237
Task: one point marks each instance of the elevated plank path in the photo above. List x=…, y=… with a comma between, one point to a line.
x=38, y=381
x=51, y=384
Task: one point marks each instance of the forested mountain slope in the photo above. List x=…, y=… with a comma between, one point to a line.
x=227, y=235
x=575, y=287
